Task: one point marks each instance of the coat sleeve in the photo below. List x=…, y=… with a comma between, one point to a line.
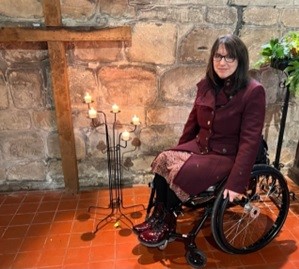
x=249, y=141
x=191, y=127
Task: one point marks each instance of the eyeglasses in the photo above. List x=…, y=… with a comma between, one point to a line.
x=218, y=57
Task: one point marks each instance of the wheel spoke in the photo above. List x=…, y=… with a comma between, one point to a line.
x=252, y=222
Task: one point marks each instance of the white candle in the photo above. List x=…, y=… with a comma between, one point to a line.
x=135, y=120
x=87, y=98
x=125, y=135
x=115, y=108
x=92, y=113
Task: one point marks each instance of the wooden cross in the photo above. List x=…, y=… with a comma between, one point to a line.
x=55, y=36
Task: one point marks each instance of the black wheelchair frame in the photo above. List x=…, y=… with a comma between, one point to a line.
x=239, y=227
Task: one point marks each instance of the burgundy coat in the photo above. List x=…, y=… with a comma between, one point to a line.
x=223, y=134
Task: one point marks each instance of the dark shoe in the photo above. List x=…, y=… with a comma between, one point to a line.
x=160, y=232
x=158, y=213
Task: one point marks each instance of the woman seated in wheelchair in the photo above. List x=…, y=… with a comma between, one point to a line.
x=220, y=139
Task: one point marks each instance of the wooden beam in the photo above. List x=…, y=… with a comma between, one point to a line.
x=64, y=120
x=52, y=12
x=58, y=61
x=11, y=34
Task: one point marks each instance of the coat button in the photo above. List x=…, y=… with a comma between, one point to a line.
x=224, y=150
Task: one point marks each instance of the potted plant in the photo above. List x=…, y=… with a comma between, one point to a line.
x=283, y=54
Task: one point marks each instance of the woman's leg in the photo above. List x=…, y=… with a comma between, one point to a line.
x=172, y=201
x=164, y=194
x=156, y=234
x=161, y=189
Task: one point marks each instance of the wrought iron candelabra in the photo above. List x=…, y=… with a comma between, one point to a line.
x=114, y=143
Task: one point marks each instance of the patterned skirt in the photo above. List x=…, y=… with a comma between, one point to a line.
x=168, y=164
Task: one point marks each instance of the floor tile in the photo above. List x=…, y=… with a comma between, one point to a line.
x=33, y=243
x=26, y=259
x=55, y=229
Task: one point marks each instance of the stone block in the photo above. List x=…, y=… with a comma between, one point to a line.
x=81, y=81
x=117, y=8
x=264, y=16
x=55, y=173
x=25, y=9
x=53, y=146
x=80, y=145
x=293, y=114
x=273, y=113
x=151, y=3
x=78, y=9
x=254, y=38
x=3, y=94
x=93, y=172
x=153, y=43
x=14, y=120
x=293, y=174
x=215, y=15
x=28, y=171
x=22, y=145
x=282, y=3
x=183, y=14
x=158, y=138
x=178, y=85
x=195, y=46
x=26, y=52
x=81, y=119
x=45, y=120
x=97, y=51
x=270, y=79
x=128, y=86
x=26, y=88
x=142, y=164
x=168, y=115
x=2, y=174
x=290, y=17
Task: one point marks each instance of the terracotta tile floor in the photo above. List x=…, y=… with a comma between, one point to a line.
x=53, y=229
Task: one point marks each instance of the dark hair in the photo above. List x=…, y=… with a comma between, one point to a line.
x=236, y=49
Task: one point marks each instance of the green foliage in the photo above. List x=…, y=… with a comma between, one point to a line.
x=285, y=49
x=293, y=76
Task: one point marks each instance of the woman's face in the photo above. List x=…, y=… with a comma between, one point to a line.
x=224, y=66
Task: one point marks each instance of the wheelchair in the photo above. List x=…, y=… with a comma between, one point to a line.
x=240, y=227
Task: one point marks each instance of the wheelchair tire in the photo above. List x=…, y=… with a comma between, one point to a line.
x=248, y=224
x=196, y=258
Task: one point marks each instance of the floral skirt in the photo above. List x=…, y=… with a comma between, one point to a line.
x=168, y=164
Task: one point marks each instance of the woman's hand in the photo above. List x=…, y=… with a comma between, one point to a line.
x=230, y=194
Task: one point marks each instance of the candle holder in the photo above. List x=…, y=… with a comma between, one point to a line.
x=114, y=144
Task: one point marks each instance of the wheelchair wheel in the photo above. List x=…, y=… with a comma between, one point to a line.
x=196, y=258
x=250, y=223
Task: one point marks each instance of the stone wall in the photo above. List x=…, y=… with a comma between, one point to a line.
x=153, y=76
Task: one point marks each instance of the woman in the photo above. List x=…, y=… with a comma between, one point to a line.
x=221, y=138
